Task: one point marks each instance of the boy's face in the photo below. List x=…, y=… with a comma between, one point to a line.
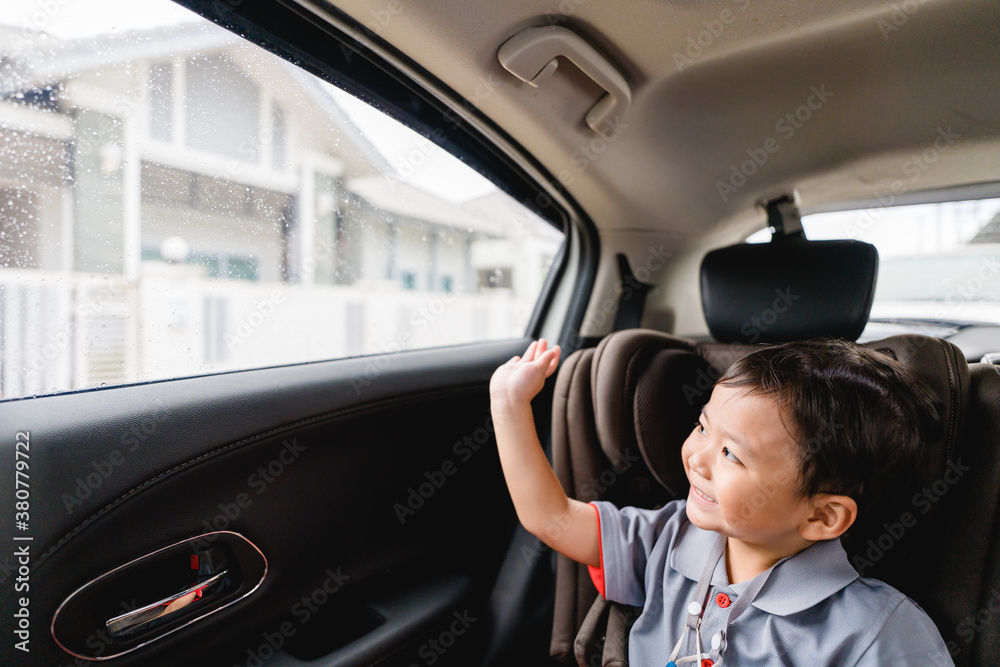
x=743, y=468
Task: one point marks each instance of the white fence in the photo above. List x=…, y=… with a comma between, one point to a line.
x=65, y=331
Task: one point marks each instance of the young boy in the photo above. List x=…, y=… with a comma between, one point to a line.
x=748, y=570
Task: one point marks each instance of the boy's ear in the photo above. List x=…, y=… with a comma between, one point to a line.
x=831, y=516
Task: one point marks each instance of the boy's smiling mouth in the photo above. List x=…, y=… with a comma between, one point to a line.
x=702, y=497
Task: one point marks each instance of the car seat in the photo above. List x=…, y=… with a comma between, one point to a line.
x=621, y=412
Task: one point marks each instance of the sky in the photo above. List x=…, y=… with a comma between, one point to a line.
x=417, y=160
x=72, y=19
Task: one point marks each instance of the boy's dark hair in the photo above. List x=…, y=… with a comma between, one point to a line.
x=861, y=418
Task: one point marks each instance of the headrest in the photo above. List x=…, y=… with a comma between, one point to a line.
x=788, y=290
x=942, y=366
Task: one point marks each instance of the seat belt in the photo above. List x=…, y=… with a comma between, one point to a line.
x=632, y=300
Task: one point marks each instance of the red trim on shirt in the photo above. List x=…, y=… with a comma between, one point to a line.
x=597, y=573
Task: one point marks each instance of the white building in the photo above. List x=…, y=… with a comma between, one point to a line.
x=159, y=188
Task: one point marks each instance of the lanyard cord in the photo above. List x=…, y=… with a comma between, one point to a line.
x=749, y=594
x=697, y=607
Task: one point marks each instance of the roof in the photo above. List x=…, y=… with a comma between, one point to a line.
x=37, y=67
x=990, y=233
x=394, y=195
x=511, y=215
x=29, y=68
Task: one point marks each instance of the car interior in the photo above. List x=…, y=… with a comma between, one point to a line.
x=290, y=514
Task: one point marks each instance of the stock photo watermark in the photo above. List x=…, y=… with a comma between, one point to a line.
x=59, y=341
x=259, y=481
x=699, y=43
x=272, y=641
x=899, y=17
x=588, y=153
x=377, y=20
x=970, y=626
x=132, y=439
x=752, y=329
x=100, y=641
x=432, y=650
x=915, y=166
x=924, y=502
x=786, y=127
x=433, y=480
x=590, y=490
x=22, y=540
x=656, y=259
x=261, y=313
x=423, y=317
x=969, y=289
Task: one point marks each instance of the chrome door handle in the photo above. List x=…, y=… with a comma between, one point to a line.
x=138, y=619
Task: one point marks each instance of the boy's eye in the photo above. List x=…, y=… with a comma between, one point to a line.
x=699, y=428
x=728, y=454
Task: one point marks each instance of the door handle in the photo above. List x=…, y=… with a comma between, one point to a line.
x=229, y=568
x=140, y=619
x=531, y=54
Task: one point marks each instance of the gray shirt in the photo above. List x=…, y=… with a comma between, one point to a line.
x=813, y=610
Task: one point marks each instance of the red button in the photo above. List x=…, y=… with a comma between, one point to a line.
x=722, y=600
x=706, y=662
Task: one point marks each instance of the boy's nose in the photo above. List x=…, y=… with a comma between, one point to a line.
x=698, y=461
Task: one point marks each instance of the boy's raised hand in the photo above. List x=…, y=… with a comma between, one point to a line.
x=569, y=526
x=521, y=378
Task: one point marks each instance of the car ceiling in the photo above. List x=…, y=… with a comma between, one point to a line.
x=897, y=73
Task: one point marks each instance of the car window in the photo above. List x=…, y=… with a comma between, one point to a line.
x=176, y=201
x=939, y=263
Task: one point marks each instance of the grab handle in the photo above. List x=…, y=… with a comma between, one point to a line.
x=531, y=54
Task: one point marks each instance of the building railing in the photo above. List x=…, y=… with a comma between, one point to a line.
x=65, y=331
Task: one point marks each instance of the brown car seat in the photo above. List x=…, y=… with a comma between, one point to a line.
x=621, y=412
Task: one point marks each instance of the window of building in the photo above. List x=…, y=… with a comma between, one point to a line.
x=222, y=107
x=161, y=102
x=278, y=138
x=495, y=278
x=222, y=265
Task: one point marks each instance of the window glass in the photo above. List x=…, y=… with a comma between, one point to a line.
x=176, y=201
x=939, y=264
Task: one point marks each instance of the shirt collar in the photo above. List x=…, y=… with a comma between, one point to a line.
x=797, y=583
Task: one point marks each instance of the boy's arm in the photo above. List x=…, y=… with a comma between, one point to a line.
x=567, y=525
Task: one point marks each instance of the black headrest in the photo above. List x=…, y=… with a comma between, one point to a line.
x=788, y=290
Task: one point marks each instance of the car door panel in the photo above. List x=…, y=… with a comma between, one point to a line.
x=371, y=486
